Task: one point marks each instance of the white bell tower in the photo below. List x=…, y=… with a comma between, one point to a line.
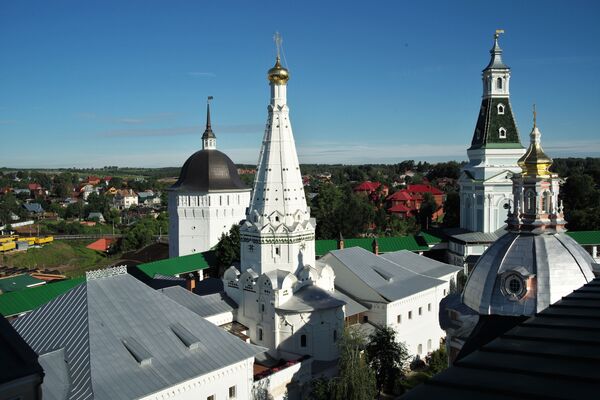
x=278, y=232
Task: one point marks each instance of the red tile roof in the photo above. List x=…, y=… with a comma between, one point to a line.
x=400, y=195
x=101, y=244
x=34, y=186
x=400, y=208
x=367, y=186
x=423, y=189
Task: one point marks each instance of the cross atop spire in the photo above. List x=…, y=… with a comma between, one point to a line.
x=496, y=52
x=278, y=40
x=534, y=116
x=209, y=140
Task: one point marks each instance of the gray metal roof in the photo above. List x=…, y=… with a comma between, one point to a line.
x=353, y=307
x=119, y=340
x=421, y=264
x=479, y=237
x=310, y=298
x=204, y=306
x=208, y=170
x=553, y=355
x=558, y=263
x=390, y=280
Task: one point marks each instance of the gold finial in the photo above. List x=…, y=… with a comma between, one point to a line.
x=498, y=33
x=535, y=162
x=278, y=74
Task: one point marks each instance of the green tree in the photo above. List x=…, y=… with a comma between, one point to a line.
x=321, y=389
x=228, y=249
x=325, y=209
x=386, y=357
x=428, y=207
x=356, y=380
x=452, y=210
x=437, y=360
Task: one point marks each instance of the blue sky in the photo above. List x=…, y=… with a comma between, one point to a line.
x=94, y=83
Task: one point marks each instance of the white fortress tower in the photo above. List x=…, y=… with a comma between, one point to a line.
x=278, y=232
x=485, y=183
x=207, y=200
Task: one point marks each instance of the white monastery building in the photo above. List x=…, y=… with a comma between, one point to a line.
x=114, y=337
x=207, y=199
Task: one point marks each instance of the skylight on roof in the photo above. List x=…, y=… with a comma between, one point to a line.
x=138, y=351
x=187, y=338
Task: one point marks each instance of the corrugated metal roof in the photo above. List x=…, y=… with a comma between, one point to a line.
x=91, y=321
x=204, y=306
x=390, y=280
x=553, y=355
x=19, y=282
x=421, y=265
x=25, y=300
x=586, y=237
x=386, y=244
x=175, y=265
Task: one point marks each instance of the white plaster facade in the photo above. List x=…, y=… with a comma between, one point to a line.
x=239, y=376
x=414, y=317
x=197, y=220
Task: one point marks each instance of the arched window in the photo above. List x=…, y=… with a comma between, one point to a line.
x=420, y=349
x=546, y=200
x=499, y=83
x=335, y=335
x=303, y=341
x=260, y=334
x=429, y=345
x=502, y=133
x=500, y=109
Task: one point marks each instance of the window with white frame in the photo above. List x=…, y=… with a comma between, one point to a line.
x=500, y=109
x=399, y=319
x=232, y=392
x=502, y=133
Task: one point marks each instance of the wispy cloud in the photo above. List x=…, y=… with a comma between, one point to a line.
x=154, y=132
x=185, y=130
x=145, y=119
x=200, y=74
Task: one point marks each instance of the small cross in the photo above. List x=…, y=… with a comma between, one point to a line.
x=498, y=33
x=278, y=40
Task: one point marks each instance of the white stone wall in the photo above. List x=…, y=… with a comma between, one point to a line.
x=482, y=200
x=197, y=220
x=258, y=299
x=216, y=383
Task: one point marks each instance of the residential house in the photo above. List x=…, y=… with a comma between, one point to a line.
x=125, y=198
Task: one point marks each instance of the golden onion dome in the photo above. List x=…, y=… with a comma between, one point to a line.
x=278, y=74
x=535, y=162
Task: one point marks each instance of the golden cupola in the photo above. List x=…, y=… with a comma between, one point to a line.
x=535, y=162
x=278, y=74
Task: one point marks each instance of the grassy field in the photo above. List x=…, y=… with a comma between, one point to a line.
x=71, y=257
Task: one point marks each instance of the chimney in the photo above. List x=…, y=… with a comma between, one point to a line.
x=375, y=246
x=340, y=242
x=190, y=282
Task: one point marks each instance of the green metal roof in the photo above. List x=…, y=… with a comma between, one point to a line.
x=175, y=266
x=386, y=244
x=19, y=282
x=430, y=239
x=586, y=237
x=14, y=303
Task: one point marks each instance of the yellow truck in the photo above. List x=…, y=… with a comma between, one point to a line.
x=5, y=239
x=44, y=240
x=8, y=246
